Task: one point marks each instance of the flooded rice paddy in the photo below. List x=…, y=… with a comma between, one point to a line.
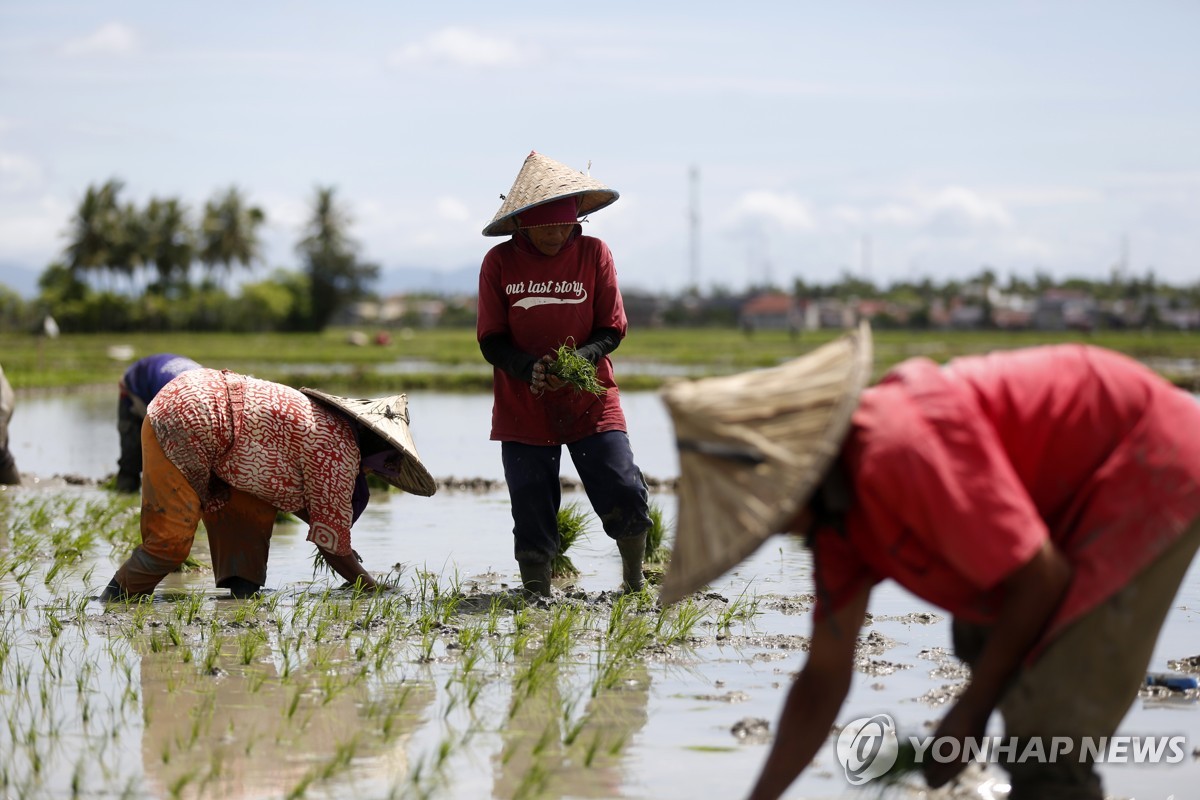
x=448, y=685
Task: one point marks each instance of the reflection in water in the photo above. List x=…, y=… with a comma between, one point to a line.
x=253, y=731
x=70, y=707
x=425, y=691
x=554, y=749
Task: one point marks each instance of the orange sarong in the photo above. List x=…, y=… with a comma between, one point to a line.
x=239, y=533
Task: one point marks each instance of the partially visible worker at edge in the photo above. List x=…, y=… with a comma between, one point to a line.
x=1046, y=497
x=545, y=286
x=139, y=385
x=9, y=475
x=232, y=450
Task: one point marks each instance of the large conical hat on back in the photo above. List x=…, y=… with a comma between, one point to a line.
x=752, y=449
x=541, y=180
x=387, y=417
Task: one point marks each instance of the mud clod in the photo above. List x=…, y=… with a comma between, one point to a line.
x=728, y=697
x=752, y=730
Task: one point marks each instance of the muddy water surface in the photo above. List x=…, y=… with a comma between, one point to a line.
x=76, y=433
x=106, y=702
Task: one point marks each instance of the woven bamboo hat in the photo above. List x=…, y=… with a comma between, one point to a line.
x=752, y=448
x=388, y=418
x=541, y=180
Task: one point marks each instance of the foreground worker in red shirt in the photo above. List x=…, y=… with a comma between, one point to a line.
x=1047, y=498
x=546, y=286
x=231, y=450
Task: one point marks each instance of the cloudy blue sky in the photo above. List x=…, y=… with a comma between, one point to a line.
x=885, y=139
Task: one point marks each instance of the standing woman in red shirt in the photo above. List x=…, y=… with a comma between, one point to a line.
x=546, y=286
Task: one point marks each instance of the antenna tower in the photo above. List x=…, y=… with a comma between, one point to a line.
x=694, y=227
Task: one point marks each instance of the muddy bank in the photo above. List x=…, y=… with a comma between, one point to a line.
x=568, y=484
x=476, y=485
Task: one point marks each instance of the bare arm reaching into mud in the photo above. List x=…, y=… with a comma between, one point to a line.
x=350, y=568
x=1031, y=594
x=815, y=698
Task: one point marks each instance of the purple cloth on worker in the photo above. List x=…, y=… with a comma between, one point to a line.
x=358, y=500
x=146, y=377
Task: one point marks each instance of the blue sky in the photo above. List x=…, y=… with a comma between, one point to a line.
x=885, y=139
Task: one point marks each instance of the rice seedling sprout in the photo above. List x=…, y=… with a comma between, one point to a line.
x=575, y=369
x=572, y=526
x=656, y=552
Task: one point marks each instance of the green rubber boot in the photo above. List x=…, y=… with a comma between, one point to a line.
x=113, y=593
x=240, y=588
x=9, y=475
x=535, y=578
x=633, y=551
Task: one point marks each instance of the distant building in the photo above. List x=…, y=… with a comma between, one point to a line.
x=964, y=316
x=1012, y=319
x=828, y=313
x=1011, y=311
x=1184, y=319
x=771, y=311
x=883, y=312
x=642, y=309
x=1064, y=309
x=397, y=310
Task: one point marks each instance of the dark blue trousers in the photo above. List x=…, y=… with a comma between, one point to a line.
x=613, y=483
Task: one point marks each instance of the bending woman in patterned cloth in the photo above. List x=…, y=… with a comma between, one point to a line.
x=233, y=450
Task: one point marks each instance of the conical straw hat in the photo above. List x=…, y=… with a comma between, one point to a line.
x=752, y=448
x=541, y=180
x=387, y=417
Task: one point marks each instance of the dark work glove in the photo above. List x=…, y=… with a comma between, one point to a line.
x=499, y=351
x=602, y=342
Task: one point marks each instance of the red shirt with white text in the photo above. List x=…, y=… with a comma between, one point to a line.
x=541, y=302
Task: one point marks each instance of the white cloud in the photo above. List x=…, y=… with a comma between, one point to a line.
x=1049, y=196
x=283, y=211
x=846, y=215
x=461, y=47
x=111, y=39
x=18, y=173
x=784, y=209
x=1030, y=249
x=1188, y=178
x=902, y=215
x=956, y=209
x=453, y=209
x=31, y=231
x=950, y=211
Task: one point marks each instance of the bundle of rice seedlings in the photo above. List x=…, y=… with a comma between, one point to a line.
x=572, y=526
x=319, y=565
x=905, y=768
x=656, y=553
x=575, y=370
x=377, y=484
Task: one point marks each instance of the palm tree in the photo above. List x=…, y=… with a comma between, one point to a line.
x=336, y=276
x=130, y=242
x=170, y=242
x=229, y=232
x=95, y=230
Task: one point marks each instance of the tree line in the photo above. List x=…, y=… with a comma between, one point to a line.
x=131, y=267
x=160, y=267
